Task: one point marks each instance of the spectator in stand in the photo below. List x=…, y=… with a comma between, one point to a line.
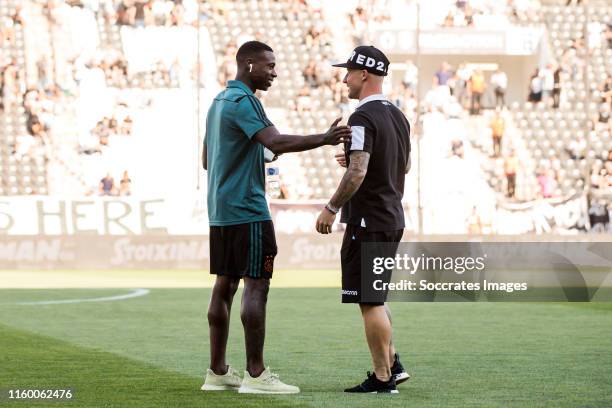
x=474, y=223
x=595, y=31
x=107, y=186
x=449, y=20
x=556, y=92
x=510, y=167
x=409, y=103
x=227, y=67
x=397, y=99
x=126, y=126
x=461, y=87
x=547, y=183
x=146, y=13
x=604, y=115
x=411, y=76
x=535, y=87
x=468, y=16
x=477, y=88
x=125, y=185
x=17, y=16
x=499, y=82
x=310, y=74
x=442, y=75
x=139, y=13
x=452, y=84
x=457, y=148
x=548, y=83
x=606, y=90
x=9, y=85
x=529, y=11
x=359, y=25
x=573, y=56
x=608, y=168
x=608, y=35
x=599, y=216
x=24, y=146
x=597, y=179
x=7, y=31
x=577, y=148
x=498, y=127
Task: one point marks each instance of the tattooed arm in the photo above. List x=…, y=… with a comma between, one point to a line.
x=352, y=179
x=350, y=183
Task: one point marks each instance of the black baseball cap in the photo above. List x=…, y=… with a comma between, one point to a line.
x=369, y=58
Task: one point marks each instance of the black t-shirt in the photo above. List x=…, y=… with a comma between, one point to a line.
x=381, y=129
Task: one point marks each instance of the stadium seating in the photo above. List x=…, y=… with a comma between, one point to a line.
x=21, y=173
x=550, y=132
x=250, y=20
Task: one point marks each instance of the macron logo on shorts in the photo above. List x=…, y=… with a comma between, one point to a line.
x=350, y=292
x=357, y=137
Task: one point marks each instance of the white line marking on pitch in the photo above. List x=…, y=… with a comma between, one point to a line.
x=133, y=294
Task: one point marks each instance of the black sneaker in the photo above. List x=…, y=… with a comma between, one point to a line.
x=398, y=372
x=373, y=385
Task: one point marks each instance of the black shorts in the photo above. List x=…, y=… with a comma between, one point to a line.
x=243, y=250
x=350, y=259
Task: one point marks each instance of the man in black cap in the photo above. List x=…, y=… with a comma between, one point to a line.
x=370, y=195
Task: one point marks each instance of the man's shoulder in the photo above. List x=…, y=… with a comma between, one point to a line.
x=359, y=117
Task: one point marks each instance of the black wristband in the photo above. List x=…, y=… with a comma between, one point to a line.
x=331, y=209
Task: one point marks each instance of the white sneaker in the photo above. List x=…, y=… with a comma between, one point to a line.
x=228, y=381
x=266, y=383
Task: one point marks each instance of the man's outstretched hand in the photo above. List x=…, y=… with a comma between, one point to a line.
x=337, y=134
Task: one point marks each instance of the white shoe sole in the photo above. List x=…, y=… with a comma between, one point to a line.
x=390, y=392
x=400, y=378
x=209, y=387
x=247, y=390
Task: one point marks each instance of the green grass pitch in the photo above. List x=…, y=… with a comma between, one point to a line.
x=152, y=351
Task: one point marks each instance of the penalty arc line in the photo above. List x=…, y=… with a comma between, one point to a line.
x=135, y=293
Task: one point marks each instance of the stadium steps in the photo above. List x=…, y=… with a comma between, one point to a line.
x=38, y=44
x=549, y=132
x=66, y=172
x=26, y=174
x=479, y=134
x=450, y=186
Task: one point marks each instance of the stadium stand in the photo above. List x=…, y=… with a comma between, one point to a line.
x=93, y=99
x=570, y=138
x=301, y=40
x=23, y=157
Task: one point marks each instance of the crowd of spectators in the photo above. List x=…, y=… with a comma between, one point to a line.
x=148, y=13
x=108, y=187
x=545, y=85
x=368, y=15
x=469, y=13
x=119, y=124
x=112, y=63
x=468, y=85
